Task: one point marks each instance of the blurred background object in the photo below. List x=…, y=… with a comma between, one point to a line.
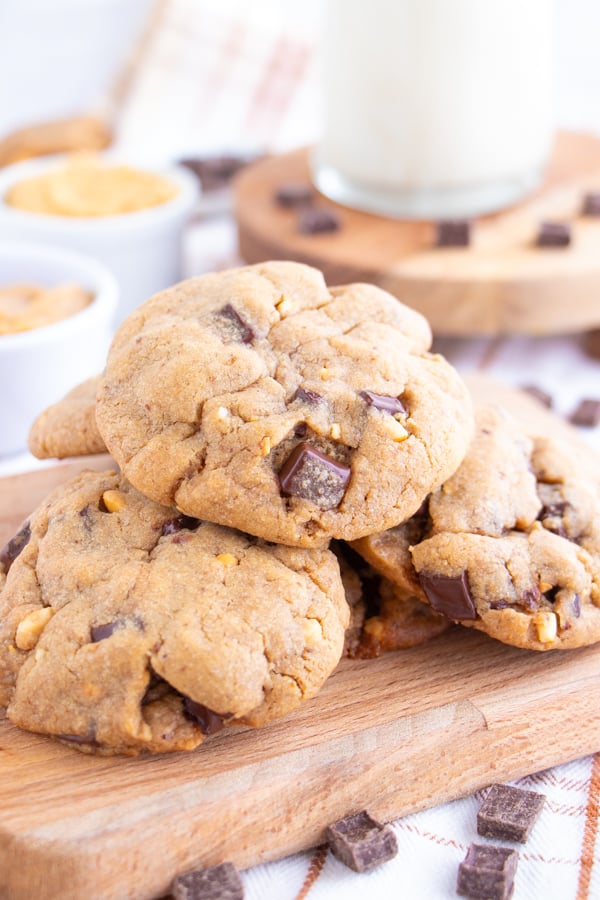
x=177, y=77
x=58, y=58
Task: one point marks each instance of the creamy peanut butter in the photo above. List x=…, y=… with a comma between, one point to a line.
x=87, y=188
x=24, y=307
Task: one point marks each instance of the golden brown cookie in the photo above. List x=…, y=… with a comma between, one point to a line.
x=126, y=627
x=261, y=399
x=510, y=544
x=68, y=428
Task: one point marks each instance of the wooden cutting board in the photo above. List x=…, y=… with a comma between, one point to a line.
x=500, y=284
x=395, y=735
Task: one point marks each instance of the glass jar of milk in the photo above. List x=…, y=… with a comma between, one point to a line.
x=435, y=108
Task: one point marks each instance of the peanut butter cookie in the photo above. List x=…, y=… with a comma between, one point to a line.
x=259, y=398
x=510, y=544
x=125, y=626
x=68, y=428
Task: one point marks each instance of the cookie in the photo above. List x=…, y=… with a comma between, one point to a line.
x=126, y=627
x=260, y=399
x=384, y=617
x=61, y=136
x=510, y=544
x=68, y=428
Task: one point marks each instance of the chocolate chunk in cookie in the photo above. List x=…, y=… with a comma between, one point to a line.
x=314, y=476
x=14, y=547
x=449, y=595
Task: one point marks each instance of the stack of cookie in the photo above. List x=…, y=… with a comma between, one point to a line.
x=256, y=415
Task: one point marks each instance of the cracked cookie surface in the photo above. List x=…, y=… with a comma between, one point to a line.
x=125, y=626
x=261, y=399
x=510, y=544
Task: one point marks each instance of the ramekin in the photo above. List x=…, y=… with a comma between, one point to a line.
x=142, y=249
x=38, y=367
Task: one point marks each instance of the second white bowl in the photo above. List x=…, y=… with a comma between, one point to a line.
x=38, y=367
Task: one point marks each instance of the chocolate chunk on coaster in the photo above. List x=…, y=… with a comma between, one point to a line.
x=221, y=882
x=509, y=813
x=591, y=204
x=449, y=596
x=487, y=872
x=587, y=413
x=361, y=843
x=314, y=476
x=317, y=220
x=538, y=394
x=453, y=233
x=554, y=234
x=215, y=172
x=591, y=343
x=294, y=194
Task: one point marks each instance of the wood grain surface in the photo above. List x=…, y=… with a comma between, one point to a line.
x=501, y=284
x=396, y=734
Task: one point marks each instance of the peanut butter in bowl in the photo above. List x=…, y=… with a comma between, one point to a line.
x=24, y=307
x=85, y=187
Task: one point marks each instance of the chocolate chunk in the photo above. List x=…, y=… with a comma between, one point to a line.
x=101, y=632
x=587, y=413
x=361, y=843
x=576, y=605
x=552, y=511
x=487, y=872
x=449, y=596
x=11, y=550
x=509, y=813
x=307, y=396
x=179, y=523
x=294, y=194
x=317, y=220
x=453, y=233
x=392, y=405
x=234, y=328
x=591, y=204
x=89, y=738
x=530, y=598
x=538, y=394
x=554, y=234
x=210, y=722
x=221, y=882
x=215, y=172
x=86, y=515
x=314, y=476
x=591, y=343
x=300, y=430
x=499, y=604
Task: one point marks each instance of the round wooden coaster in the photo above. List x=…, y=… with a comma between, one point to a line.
x=501, y=284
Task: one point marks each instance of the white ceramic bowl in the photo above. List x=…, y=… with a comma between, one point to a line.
x=142, y=249
x=38, y=367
